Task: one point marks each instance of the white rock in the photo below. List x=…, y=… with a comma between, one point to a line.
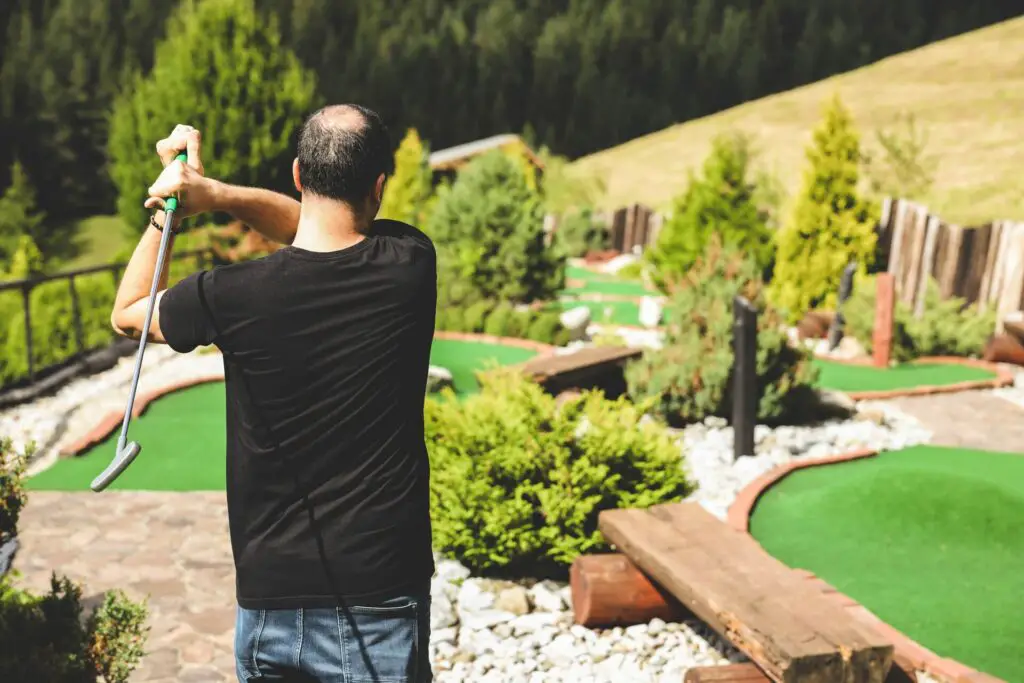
x=530, y=623
x=651, y=311
x=514, y=600
x=545, y=596
x=576, y=320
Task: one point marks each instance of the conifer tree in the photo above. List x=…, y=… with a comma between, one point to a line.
x=489, y=233
x=19, y=216
x=831, y=224
x=720, y=202
x=408, y=191
x=223, y=70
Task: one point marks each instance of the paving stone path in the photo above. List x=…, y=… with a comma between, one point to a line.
x=971, y=419
x=171, y=547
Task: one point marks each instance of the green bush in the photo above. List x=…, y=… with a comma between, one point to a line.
x=517, y=482
x=476, y=315
x=489, y=233
x=831, y=224
x=545, y=327
x=408, y=191
x=579, y=233
x=721, y=203
x=632, y=271
x=519, y=322
x=498, y=321
x=44, y=637
x=53, y=328
x=690, y=377
x=946, y=328
x=223, y=69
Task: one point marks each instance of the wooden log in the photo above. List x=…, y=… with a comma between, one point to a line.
x=815, y=325
x=791, y=630
x=885, y=303
x=609, y=590
x=1004, y=348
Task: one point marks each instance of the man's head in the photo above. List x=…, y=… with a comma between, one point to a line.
x=344, y=155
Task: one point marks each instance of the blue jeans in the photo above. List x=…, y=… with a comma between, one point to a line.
x=379, y=643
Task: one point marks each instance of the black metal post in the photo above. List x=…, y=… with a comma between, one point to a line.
x=76, y=316
x=744, y=376
x=835, y=330
x=26, y=290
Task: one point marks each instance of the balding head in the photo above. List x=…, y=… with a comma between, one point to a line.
x=343, y=150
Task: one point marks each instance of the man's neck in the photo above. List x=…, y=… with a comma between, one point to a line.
x=326, y=225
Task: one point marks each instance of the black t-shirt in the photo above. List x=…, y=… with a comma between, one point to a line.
x=325, y=360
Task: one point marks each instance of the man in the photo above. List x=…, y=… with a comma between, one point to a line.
x=326, y=347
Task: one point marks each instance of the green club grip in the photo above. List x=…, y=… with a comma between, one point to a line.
x=172, y=202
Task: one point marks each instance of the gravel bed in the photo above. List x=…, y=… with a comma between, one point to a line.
x=489, y=630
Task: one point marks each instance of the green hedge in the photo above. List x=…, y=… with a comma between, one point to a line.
x=459, y=310
x=517, y=482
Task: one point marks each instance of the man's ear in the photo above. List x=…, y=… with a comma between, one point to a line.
x=295, y=175
x=378, y=192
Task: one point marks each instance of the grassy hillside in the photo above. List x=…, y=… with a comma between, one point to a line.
x=966, y=92
x=98, y=240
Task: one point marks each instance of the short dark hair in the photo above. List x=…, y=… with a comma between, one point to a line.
x=343, y=149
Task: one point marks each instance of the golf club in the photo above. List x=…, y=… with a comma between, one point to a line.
x=127, y=451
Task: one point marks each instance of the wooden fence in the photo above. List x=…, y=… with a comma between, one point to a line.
x=630, y=228
x=982, y=264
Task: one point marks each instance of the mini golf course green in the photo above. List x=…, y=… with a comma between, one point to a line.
x=930, y=539
x=608, y=312
x=846, y=377
x=195, y=462
x=600, y=283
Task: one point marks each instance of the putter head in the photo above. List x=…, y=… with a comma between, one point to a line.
x=119, y=464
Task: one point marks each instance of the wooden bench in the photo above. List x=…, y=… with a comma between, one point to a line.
x=590, y=367
x=768, y=611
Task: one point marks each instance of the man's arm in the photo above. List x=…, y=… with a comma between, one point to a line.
x=132, y=300
x=272, y=214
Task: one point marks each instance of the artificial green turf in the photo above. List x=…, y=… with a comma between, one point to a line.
x=844, y=377
x=464, y=358
x=183, y=437
x=183, y=441
x=930, y=539
x=599, y=283
x=622, y=312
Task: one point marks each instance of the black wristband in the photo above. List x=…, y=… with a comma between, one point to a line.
x=155, y=224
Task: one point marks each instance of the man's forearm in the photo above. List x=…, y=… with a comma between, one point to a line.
x=272, y=214
x=138, y=274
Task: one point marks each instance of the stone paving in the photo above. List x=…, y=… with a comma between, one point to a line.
x=171, y=547
x=970, y=419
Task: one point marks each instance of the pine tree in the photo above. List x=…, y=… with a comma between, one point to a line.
x=831, y=224
x=489, y=233
x=722, y=202
x=19, y=216
x=408, y=191
x=223, y=70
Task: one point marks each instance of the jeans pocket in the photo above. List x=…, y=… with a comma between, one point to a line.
x=248, y=630
x=381, y=642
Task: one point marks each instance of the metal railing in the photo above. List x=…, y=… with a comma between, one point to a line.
x=203, y=257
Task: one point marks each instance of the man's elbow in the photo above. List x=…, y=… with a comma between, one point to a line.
x=118, y=322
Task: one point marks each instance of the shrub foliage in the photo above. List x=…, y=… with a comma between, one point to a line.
x=489, y=233
x=947, y=327
x=689, y=378
x=517, y=482
x=831, y=224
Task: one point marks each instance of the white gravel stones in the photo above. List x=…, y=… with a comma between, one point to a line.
x=1015, y=393
x=481, y=641
x=709, y=457
x=619, y=262
x=439, y=378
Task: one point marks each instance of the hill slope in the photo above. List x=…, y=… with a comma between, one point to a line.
x=966, y=92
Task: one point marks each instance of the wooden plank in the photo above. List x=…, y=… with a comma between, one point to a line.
x=723, y=576
x=927, y=265
x=908, y=289
x=1012, y=281
x=984, y=294
x=950, y=259
x=896, y=242
x=979, y=252
x=546, y=367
